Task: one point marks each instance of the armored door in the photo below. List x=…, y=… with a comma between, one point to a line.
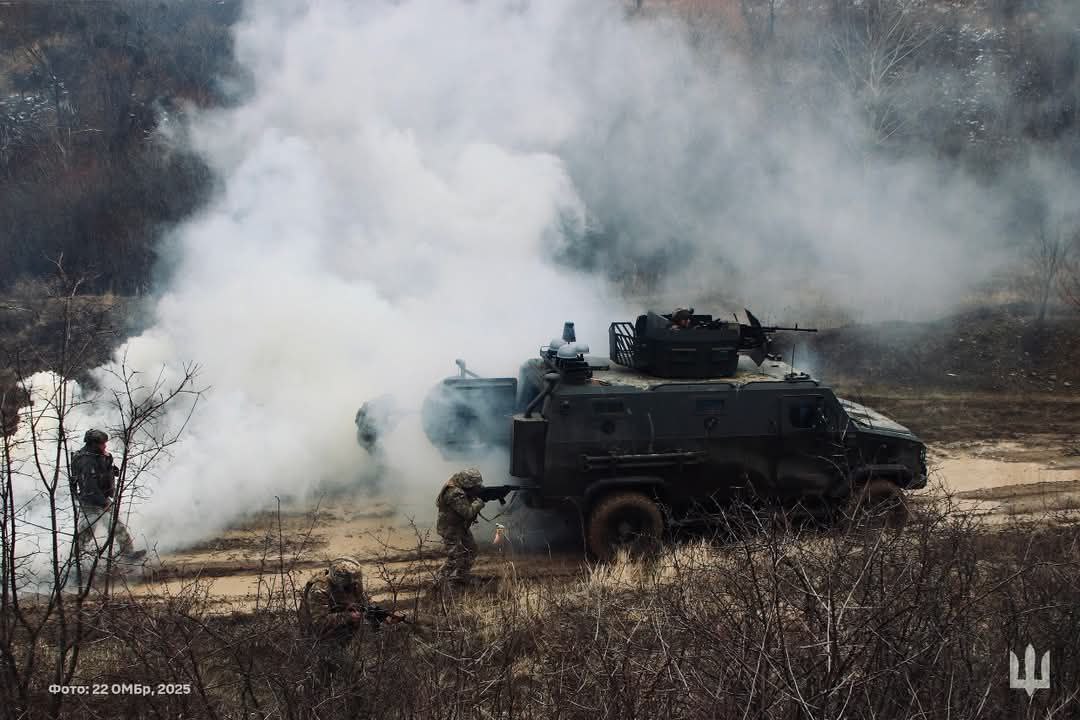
x=808, y=448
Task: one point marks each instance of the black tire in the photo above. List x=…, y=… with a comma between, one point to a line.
x=880, y=501
x=624, y=520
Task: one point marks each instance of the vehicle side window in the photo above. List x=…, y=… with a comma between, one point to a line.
x=806, y=414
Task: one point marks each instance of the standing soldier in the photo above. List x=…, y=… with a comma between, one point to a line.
x=457, y=512
x=374, y=420
x=93, y=474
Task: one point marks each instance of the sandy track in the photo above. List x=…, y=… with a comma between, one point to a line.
x=1031, y=467
x=1010, y=479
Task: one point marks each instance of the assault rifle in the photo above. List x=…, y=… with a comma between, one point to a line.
x=492, y=492
x=376, y=615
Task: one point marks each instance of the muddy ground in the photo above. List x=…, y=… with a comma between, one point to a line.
x=1000, y=456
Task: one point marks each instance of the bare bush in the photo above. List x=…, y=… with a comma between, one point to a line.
x=772, y=624
x=53, y=586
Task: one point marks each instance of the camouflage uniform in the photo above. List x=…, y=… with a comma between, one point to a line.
x=92, y=473
x=373, y=419
x=457, y=512
x=327, y=616
x=327, y=606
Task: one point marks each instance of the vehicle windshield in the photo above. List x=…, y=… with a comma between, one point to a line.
x=871, y=419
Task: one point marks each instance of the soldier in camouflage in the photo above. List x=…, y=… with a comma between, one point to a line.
x=457, y=513
x=374, y=420
x=93, y=474
x=331, y=608
x=331, y=612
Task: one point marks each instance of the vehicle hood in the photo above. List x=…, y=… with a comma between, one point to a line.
x=870, y=420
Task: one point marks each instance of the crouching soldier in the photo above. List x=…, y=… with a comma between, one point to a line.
x=457, y=512
x=93, y=475
x=331, y=613
x=334, y=606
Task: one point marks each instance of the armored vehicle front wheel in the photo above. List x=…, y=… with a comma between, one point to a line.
x=627, y=521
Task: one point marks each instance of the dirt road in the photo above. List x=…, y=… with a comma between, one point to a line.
x=1000, y=457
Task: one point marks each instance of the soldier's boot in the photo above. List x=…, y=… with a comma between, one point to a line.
x=445, y=575
x=449, y=576
x=128, y=553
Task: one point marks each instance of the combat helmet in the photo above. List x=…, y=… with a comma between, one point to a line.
x=95, y=437
x=344, y=573
x=467, y=479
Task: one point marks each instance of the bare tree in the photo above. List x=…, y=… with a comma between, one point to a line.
x=876, y=43
x=143, y=429
x=51, y=585
x=1047, y=257
x=1069, y=279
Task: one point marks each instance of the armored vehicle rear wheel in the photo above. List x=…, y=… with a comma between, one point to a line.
x=627, y=521
x=880, y=500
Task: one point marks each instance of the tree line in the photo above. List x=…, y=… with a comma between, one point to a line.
x=89, y=93
x=87, y=171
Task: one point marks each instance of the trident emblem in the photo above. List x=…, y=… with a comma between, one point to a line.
x=1030, y=682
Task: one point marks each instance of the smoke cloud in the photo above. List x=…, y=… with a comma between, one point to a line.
x=412, y=182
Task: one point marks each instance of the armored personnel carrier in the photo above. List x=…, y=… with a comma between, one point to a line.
x=675, y=423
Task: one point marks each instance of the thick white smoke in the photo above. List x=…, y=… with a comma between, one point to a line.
x=390, y=200
x=395, y=191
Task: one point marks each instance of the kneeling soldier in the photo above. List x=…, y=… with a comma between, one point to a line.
x=333, y=607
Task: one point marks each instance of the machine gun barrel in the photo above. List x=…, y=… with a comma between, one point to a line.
x=756, y=328
x=770, y=329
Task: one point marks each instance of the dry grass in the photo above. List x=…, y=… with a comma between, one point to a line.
x=798, y=624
